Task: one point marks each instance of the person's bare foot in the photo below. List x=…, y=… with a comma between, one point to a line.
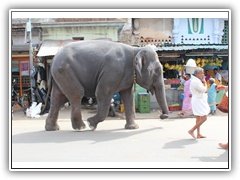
x=223, y=146
x=192, y=134
x=200, y=136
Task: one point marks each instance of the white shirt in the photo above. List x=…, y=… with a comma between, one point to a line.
x=197, y=88
x=199, y=102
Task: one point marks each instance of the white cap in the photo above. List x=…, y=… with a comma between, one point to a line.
x=191, y=63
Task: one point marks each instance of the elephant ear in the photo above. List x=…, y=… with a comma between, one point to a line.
x=140, y=62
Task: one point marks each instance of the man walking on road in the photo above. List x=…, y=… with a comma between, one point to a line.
x=200, y=105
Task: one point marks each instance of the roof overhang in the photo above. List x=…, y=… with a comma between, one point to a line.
x=51, y=47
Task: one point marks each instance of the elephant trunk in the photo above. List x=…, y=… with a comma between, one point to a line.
x=161, y=99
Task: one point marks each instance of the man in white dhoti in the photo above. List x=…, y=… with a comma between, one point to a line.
x=200, y=107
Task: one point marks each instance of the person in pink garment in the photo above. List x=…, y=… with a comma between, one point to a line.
x=187, y=105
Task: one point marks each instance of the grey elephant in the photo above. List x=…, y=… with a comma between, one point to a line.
x=97, y=68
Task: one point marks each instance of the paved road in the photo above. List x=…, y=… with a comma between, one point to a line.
x=156, y=144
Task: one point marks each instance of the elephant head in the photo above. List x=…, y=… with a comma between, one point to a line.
x=149, y=74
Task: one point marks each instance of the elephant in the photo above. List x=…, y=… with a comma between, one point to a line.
x=99, y=68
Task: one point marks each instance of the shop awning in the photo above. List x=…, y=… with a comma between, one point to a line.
x=51, y=47
x=191, y=47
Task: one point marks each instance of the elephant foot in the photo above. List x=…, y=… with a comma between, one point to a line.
x=92, y=124
x=163, y=116
x=131, y=125
x=78, y=125
x=49, y=127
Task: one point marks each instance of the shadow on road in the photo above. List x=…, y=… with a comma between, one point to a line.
x=185, y=142
x=69, y=136
x=179, y=143
x=221, y=158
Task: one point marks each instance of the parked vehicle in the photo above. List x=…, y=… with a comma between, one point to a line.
x=24, y=100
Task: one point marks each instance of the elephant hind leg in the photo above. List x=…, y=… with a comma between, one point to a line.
x=102, y=111
x=103, y=104
x=74, y=91
x=57, y=100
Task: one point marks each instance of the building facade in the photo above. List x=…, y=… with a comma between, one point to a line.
x=175, y=39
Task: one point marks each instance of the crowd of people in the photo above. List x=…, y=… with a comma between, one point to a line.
x=212, y=92
x=200, y=98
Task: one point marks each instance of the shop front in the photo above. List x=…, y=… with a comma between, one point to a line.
x=20, y=73
x=174, y=59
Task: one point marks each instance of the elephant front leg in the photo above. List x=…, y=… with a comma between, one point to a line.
x=127, y=97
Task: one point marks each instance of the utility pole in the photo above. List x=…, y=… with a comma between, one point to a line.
x=28, y=38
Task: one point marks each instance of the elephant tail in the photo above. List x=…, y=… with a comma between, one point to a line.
x=46, y=106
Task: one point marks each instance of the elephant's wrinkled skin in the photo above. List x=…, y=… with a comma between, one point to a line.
x=99, y=69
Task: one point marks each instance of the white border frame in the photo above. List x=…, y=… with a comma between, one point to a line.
x=115, y=13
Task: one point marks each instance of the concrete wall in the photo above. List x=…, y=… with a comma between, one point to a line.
x=18, y=37
x=93, y=32
x=153, y=28
x=67, y=28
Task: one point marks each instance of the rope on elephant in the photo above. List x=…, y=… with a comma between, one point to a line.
x=134, y=81
x=134, y=77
